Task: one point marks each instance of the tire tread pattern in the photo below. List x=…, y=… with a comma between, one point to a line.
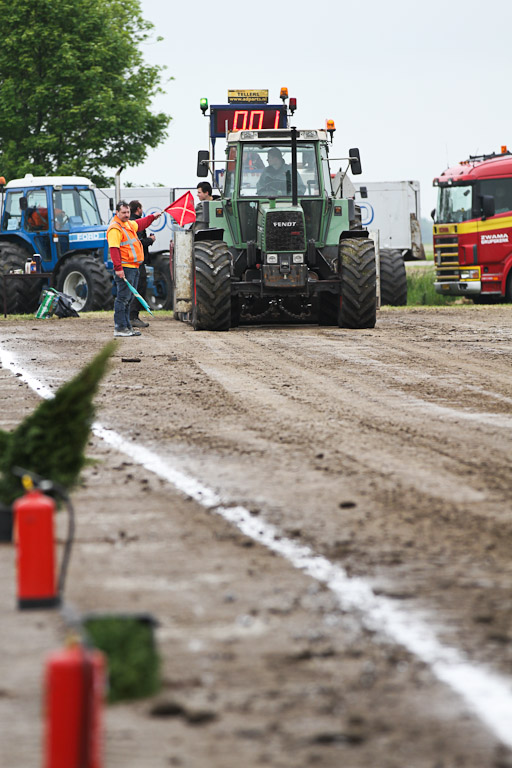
x=212, y=265
x=161, y=265
x=22, y=296
x=99, y=284
x=393, y=278
x=358, y=284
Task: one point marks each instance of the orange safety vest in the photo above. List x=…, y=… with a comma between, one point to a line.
x=39, y=218
x=132, y=252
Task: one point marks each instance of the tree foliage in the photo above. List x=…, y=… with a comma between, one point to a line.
x=51, y=441
x=75, y=92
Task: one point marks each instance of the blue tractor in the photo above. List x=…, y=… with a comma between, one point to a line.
x=58, y=218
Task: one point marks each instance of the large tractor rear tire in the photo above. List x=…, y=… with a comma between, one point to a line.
x=22, y=296
x=161, y=297
x=212, y=286
x=358, y=300
x=393, y=279
x=86, y=280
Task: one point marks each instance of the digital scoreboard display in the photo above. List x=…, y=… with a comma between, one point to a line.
x=246, y=117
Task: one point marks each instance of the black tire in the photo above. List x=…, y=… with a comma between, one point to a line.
x=87, y=281
x=393, y=279
x=212, y=286
x=22, y=296
x=508, y=289
x=358, y=304
x=161, y=296
x=483, y=298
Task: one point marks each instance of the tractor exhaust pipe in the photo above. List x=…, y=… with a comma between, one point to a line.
x=294, y=167
x=117, y=184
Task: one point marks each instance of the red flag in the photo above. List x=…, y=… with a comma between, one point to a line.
x=183, y=210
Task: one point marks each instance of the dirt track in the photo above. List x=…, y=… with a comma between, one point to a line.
x=387, y=451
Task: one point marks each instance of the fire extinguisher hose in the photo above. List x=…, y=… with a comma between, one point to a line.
x=68, y=546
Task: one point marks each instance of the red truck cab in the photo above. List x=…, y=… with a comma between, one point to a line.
x=473, y=229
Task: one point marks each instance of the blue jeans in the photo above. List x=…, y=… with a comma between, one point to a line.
x=124, y=297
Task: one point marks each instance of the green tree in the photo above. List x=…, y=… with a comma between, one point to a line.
x=51, y=441
x=75, y=93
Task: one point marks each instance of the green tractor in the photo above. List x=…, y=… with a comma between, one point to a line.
x=277, y=245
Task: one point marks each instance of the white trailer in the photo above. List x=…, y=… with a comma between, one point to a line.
x=393, y=208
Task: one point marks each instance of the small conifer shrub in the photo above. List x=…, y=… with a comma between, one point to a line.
x=51, y=441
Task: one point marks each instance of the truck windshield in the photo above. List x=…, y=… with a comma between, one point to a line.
x=267, y=170
x=75, y=208
x=454, y=204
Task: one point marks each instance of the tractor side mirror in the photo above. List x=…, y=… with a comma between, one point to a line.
x=111, y=204
x=355, y=161
x=488, y=206
x=363, y=191
x=433, y=214
x=203, y=157
x=23, y=203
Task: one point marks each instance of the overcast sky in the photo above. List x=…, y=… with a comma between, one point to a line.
x=417, y=86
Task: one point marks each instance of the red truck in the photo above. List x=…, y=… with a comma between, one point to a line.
x=473, y=229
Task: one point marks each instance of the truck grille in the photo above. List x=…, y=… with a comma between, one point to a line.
x=284, y=231
x=446, y=254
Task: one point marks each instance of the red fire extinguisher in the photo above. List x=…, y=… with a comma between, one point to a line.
x=73, y=698
x=34, y=535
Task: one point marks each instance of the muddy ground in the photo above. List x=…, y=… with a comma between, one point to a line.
x=388, y=451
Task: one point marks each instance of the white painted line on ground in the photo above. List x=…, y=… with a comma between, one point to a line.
x=8, y=362
x=489, y=695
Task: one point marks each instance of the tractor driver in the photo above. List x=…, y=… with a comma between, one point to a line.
x=276, y=178
x=37, y=218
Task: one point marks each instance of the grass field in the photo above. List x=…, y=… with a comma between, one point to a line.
x=421, y=291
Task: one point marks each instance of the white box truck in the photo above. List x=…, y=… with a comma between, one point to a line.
x=392, y=207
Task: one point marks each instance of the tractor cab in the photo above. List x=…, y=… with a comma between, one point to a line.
x=56, y=217
x=259, y=178
x=53, y=215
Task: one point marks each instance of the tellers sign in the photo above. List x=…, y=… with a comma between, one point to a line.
x=248, y=97
x=246, y=117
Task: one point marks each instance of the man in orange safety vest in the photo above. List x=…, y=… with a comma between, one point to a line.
x=127, y=255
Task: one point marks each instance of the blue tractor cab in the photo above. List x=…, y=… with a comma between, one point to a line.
x=58, y=218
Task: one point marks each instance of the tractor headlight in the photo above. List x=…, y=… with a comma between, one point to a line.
x=469, y=274
x=271, y=258
x=298, y=258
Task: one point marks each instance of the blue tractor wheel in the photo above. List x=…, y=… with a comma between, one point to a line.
x=21, y=296
x=85, y=279
x=159, y=291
